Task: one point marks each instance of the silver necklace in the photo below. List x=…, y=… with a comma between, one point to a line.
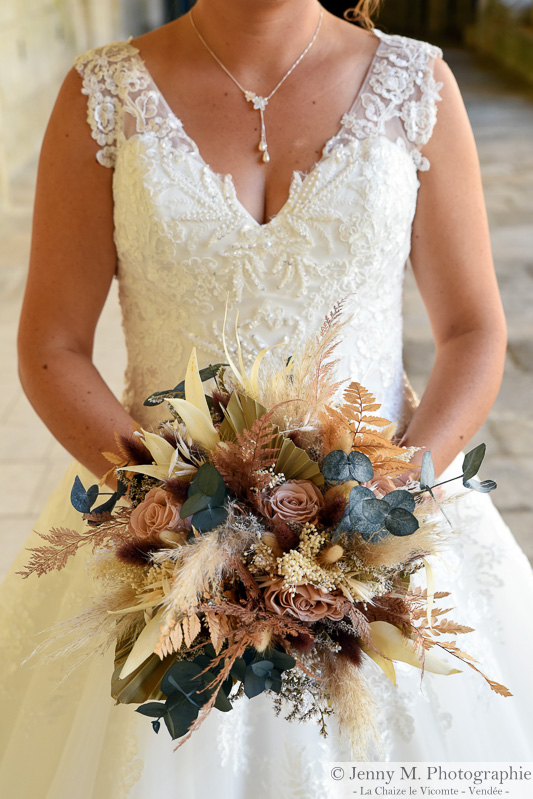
x=259, y=103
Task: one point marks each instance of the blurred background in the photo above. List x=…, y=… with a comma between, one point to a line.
x=489, y=46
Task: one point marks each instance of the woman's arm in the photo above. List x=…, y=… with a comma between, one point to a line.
x=72, y=263
x=452, y=263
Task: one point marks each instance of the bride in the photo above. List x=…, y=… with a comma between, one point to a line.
x=275, y=155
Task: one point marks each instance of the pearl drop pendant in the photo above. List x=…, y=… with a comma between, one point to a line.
x=266, y=157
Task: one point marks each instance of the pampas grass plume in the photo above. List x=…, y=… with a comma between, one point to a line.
x=352, y=703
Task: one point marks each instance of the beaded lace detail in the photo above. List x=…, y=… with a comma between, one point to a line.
x=186, y=245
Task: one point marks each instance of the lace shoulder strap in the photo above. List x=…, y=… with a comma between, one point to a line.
x=106, y=74
x=400, y=94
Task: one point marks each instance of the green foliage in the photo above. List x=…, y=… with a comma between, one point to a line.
x=187, y=691
x=83, y=499
x=178, y=392
x=205, y=499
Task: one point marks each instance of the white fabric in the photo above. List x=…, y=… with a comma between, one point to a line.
x=186, y=245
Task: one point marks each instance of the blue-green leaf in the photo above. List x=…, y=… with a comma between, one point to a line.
x=427, y=471
x=360, y=467
x=483, y=486
x=262, y=667
x=209, y=518
x=400, y=522
x=335, y=467
x=153, y=709
x=400, y=499
x=374, y=510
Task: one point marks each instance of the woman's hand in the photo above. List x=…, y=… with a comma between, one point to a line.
x=72, y=263
x=452, y=263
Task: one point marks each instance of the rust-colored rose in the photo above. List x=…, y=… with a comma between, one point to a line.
x=294, y=501
x=157, y=513
x=307, y=603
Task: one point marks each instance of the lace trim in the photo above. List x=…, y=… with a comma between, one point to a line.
x=106, y=83
x=403, y=88
x=400, y=86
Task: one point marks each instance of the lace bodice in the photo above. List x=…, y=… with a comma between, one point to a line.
x=186, y=245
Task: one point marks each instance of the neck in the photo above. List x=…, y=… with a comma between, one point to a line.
x=257, y=39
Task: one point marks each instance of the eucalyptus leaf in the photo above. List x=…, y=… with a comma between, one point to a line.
x=153, y=709
x=281, y=660
x=400, y=499
x=427, y=471
x=194, y=504
x=254, y=684
x=357, y=495
x=179, y=718
x=374, y=510
x=335, y=467
x=222, y=702
x=360, y=467
x=483, y=486
x=262, y=667
x=209, y=518
x=79, y=497
x=238, y=670
x=472, y=462
x=400, y=522
x=208, y=479
x=184, y=676
x=275, y=682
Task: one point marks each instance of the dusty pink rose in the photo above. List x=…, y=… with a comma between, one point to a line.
x=157, y=513
x=294, y=501
x=381, y=485
x=307, y=603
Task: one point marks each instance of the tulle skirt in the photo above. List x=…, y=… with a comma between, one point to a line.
x=63, y=737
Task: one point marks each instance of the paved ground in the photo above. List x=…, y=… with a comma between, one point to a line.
x=501, y=112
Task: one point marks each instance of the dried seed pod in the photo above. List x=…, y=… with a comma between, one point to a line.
x=331, y=555
x=272, y=543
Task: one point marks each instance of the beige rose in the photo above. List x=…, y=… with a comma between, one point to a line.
x=293, y=501
x=156, y=514
x=307, y=603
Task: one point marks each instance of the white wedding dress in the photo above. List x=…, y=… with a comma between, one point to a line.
x=186, y=246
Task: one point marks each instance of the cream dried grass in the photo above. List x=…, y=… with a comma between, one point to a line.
x=205, y=562
x=393, y=550
x=352, y=704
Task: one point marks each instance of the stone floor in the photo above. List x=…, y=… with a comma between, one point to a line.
x=501, y=112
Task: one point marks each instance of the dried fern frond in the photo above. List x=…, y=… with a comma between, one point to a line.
x=244, y=464
x=309, y=381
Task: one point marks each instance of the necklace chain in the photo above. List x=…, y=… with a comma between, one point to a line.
x=259, y=102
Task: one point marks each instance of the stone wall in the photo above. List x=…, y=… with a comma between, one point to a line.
x=38, y=40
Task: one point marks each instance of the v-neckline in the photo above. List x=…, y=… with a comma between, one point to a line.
x=224, y=177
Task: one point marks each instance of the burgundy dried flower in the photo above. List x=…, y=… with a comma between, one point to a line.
x=332, y=512
x=136, y=553
x=349, y=646
x=178, y=488
x=302, y=642
x=134, y=450
x=220, y=400
x=287, y=538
